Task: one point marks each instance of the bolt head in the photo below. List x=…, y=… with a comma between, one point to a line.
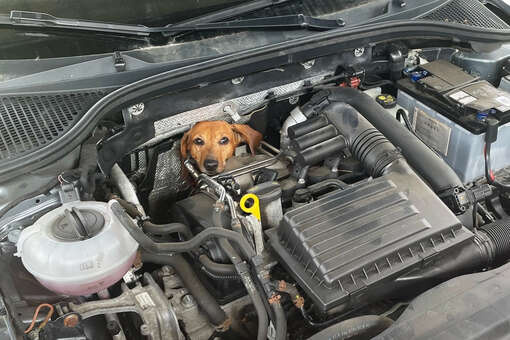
x=308, y=64
x=188, y=301
x=145, y=330
x=237, y=81
x=293, y=100
x=358, y=52
x=136, y=109
x=71, y=320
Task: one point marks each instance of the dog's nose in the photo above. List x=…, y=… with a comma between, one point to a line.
x=211, y=164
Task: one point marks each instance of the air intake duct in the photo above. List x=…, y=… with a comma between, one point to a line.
x=489, y=248
x=365, y=142
x=339, y=126
x=431, y=167
x=499, y=233
x=434, y=170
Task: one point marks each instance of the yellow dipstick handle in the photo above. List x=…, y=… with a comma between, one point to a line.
x=254, y=209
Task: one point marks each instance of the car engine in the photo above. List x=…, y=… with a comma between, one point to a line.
x=367, y=190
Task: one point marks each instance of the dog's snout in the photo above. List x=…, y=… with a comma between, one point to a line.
x=210, y=164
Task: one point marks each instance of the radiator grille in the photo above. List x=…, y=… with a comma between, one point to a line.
x=467, y=12
x=28, y=122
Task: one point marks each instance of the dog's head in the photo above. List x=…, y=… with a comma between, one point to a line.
x=211, y=143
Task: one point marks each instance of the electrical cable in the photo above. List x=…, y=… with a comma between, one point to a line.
x=36, y=313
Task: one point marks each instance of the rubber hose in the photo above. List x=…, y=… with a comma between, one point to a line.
x=220, y=277
x=152, y=228
x=88, y=165
x=190, y=280
x=499, y=233
x=125, y=187
x=215, y=268
x=434, y=170
x=365, y=327
x=164, y=229
x=281, y=321
x=180, y=247
x=130, y=208
x=258, y=303
x=185, y=246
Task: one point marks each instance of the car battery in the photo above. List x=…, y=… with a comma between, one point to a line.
x=448, y=108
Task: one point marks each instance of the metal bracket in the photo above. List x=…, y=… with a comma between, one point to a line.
x=148, y=301
x=24, y=213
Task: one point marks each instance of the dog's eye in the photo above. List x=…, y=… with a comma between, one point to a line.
x=224, y=140
x=198, y=141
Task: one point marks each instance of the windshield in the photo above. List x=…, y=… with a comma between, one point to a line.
x=23, y=42
x=236, y=25
x=144, y=12
x=32, y=45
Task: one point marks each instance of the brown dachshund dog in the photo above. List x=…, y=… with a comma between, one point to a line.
x=211, y=143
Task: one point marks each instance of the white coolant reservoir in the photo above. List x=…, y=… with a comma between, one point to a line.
x=77, y=249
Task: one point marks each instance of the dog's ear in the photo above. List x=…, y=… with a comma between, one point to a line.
x=247, y=135
x=184, y=145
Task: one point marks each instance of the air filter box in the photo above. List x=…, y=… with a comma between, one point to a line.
x=348, y=248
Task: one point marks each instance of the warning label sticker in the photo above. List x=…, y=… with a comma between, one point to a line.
x=459, y=95
x=434, y=133
x=503, y=100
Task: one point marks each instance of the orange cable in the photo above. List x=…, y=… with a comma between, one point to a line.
x=36, y=313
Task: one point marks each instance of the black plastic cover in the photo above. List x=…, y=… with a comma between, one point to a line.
x=29, y=122
x=340, y=247
x=469, y=307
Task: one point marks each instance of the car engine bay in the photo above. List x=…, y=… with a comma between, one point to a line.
x=373, y=183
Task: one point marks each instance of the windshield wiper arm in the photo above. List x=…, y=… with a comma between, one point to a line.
x=43, y=20
x=292, y=21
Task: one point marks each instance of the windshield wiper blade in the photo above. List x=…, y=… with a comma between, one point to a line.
x=43, y=20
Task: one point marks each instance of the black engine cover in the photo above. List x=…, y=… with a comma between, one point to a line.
x=349, y=246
